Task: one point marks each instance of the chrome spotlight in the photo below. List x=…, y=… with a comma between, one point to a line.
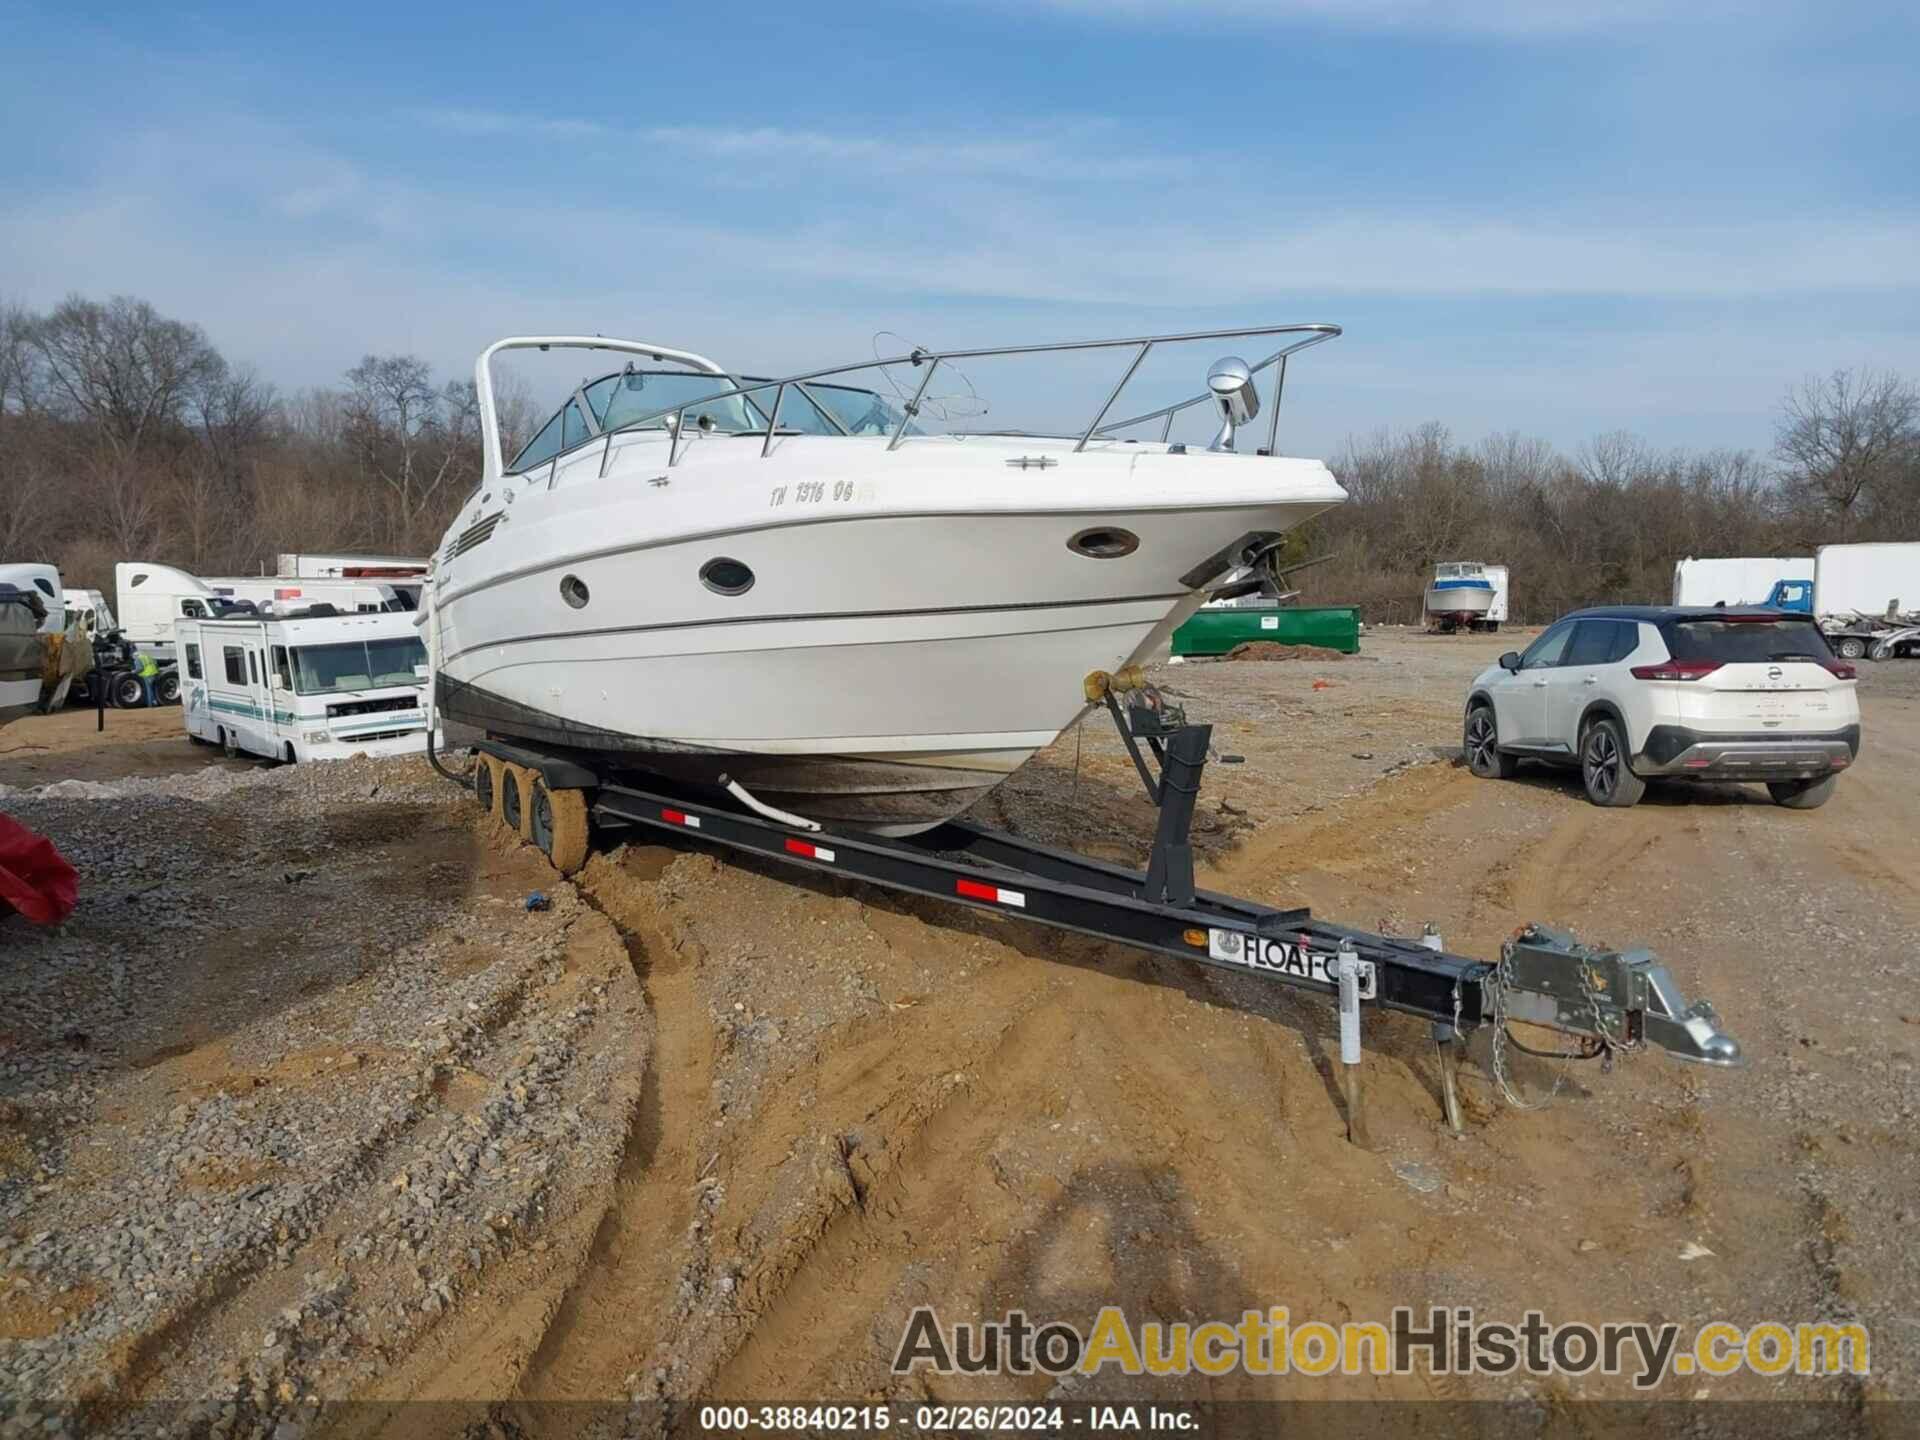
x=1231, y=383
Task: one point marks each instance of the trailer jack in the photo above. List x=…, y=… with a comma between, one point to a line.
x=1608, y=1001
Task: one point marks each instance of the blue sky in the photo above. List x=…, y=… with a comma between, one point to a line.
x=1557, y=216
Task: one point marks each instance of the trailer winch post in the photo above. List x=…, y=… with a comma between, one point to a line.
x=1170, y=867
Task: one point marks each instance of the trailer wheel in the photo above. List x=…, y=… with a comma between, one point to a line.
x=1850, y=647
x=560, y=826
x=1881, y=651
x=486, y=784
x=168, y=688
x=127, y=692
x=513, y=795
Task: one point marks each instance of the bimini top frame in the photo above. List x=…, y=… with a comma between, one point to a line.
x=1142, y=345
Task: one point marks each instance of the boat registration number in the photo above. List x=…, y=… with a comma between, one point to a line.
x=1295, y=960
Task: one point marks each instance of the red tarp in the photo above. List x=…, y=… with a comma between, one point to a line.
x=35, y=878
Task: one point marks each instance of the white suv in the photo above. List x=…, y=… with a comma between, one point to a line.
x=1634, y=692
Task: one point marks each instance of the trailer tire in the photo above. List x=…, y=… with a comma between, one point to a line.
x=1850, y=647
x=516, y=790
x=167, y=687
x=559, y=825
x=1881, y=651
x=486, y=784
x=127, y=692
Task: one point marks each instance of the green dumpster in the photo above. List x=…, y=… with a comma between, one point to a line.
x=1215, y=632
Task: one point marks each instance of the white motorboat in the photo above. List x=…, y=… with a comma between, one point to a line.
x=793, y=587
x=1461, y=593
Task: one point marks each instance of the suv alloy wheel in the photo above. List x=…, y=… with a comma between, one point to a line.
x=1610, y=781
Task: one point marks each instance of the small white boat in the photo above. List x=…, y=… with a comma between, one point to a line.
x=791, y=586
x=1461, y=593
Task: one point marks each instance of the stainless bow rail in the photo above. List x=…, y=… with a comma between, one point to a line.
x=673, y=417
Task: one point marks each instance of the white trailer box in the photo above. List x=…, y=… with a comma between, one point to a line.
x=1740, y=580
x=364, y=597
x=1867, y=579
x=353, y=567
x=152, y=596
x=1497, y=612
x=306, y=686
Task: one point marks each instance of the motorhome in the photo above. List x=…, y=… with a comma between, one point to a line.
x=311, y=685
x=152, y=596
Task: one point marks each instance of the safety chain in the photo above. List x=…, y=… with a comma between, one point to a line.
x=1602, y=1043
x=1608, y=1043
x=1503, y=975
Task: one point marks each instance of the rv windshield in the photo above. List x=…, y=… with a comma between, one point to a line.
x=357, y=665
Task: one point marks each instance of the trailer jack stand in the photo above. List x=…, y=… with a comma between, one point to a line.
x=1348, y=972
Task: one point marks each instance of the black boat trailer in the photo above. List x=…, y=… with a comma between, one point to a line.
x=1608, y=1000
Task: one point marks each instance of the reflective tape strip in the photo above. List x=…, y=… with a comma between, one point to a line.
x=810, y=851
x=680, y=817
x=974, y=890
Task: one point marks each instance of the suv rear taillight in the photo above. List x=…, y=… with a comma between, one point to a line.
x=1842, y=669
x=1676, y=670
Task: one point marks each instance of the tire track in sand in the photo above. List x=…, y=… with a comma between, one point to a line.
x=627, y=1282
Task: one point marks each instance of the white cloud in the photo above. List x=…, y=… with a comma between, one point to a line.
x=300, y=259
x=486, y=124
x=1083, y=149
x=1490, y=17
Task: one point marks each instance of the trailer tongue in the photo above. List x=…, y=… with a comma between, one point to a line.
x=1607, y=1000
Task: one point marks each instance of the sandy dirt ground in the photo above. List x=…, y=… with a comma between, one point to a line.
x=770, y=1117
x=41, y=749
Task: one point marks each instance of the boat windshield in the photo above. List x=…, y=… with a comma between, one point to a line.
x=634, y=399
x=358, y=665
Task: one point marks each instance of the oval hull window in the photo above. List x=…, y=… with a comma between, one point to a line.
x=573, y=590
x=1104, y=542
x=725, y=576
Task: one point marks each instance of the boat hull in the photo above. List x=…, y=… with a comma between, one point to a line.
x=881, y=671
x=1459, y=603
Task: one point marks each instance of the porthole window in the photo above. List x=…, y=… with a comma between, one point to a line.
x=1104, y=542
x=573, y=590
x=726, y=577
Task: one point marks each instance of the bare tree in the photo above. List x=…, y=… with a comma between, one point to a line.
x=394, y=414
x=16, y=359
x=122, y=367
x=1842, y=436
